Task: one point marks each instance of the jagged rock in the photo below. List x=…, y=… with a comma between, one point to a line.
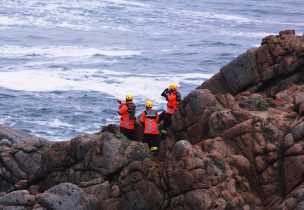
x=241, y=163
x=14, y=135
x=291, y=203
x=21, y=184
x=5, y=142
x=112, y=159
x=101, y=191
x=67, y=196
x=115, y=203
x=115, y=191
x=241, y=72
x=278, y=55
x=298, y=131
x=18, y=198
x=35, y=189
x=296, y=149
x=299, y=195
x=139, y=185
x=300, y=206
x=29, y=149
x=298, y=100
x=181, y=149
x=194, y=105
x=91, y=182
x=81, y=146
x=293, y=171
x=288, y=141
x=244, y=147
x=216, y=145
x=11, y=165
x=111, y=129
x=196, y=200
x=29, y=162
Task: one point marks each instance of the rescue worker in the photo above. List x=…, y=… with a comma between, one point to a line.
x=173, y=97
x=150, y=119
x=127, y=112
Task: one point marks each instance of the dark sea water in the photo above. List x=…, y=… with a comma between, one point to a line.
x=63, y=63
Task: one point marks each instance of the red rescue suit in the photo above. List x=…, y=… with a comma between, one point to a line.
x=125, y=120
x=172, y=102
x=150, y=119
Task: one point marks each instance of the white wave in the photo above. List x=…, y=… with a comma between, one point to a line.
x=62, y=51
x=73, y=26
x=115, y=73
x=215, y=16
x=256, y=45
x=56, y=123
x=245, y=34
x=131, y=3
x=10, y=21
x=8, y=120
x=48, y=21
x=64, y=61
x=143, y=86
x=71, y=15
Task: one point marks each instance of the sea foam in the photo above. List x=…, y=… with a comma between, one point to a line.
x=144, y=86
x=61, y=51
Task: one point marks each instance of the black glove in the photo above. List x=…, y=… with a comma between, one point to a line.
x=164, y=93
x=178, y=97
x=119, y=101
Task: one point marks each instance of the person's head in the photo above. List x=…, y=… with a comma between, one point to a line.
x=129, y=97
x=149, y=104
x=173, y=87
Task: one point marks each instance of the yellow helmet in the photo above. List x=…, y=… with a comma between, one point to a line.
x=129, y=97
x=149, y=104
x=173, y=86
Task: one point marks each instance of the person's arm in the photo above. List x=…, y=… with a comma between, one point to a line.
x=164, y=93
x=157, y=117
x=122, y=109
x=142, y=117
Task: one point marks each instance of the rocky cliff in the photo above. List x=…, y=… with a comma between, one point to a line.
x=237, y=142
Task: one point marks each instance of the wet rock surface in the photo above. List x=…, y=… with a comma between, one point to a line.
x=236, y=142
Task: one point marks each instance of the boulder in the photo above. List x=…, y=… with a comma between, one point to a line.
x=181, y=149
x=293, y=171
x=29, y=162
x=17, y=198
x=194, y=105
x=6, y=142
x=241, y=72
x=67, y=196
x=15, y=136
x=298, y=131
x=288, y=141
x=112, y=157
x=101, y=191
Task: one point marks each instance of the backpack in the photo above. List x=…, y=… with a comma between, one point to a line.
x=151, y=114
x=131, y=110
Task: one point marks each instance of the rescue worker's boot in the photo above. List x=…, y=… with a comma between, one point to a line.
x=154, y=150
x=163, y=134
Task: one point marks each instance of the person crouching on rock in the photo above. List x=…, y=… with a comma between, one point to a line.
x=127, y=112
x=173, y=97
x=150, y=119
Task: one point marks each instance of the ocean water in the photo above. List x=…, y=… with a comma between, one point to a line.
x=63, y=63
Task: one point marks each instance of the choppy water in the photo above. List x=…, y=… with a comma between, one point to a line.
x=63, y=63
